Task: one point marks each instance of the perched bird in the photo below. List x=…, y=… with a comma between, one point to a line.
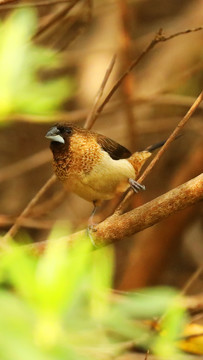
x=93, y=166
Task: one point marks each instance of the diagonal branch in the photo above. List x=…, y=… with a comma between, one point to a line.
x=91, y=117
x=171, y=138
x=118, y=227
x=159, y=37
x=22, y=166
x=57, y=16
x=13, y=230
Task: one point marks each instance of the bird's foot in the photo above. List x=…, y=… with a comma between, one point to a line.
x=136, y=186
x=90, y=229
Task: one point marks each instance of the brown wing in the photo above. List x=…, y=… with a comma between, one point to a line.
x=115, y=150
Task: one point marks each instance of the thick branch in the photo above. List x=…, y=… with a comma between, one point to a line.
x=118, y=227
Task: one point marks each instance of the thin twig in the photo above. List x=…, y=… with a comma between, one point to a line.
x=188, y=31
x=27, y=164
x=13, y=230
x=127, y=88
x=45, y=207
x=171, y=138
x=79, y=21
x=34, y=4
x=91, y=117
x=54, y=19
x=80, y=115
x=6, y=220
x=157, y=39
x=191, y=280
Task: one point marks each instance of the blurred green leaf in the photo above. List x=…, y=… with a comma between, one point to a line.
x=101, y=281
x=59, y=281
x=147, y=303
x=171, y=329
x=21, y=89
x=59, y=306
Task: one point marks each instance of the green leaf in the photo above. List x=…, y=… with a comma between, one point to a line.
x=21, y=88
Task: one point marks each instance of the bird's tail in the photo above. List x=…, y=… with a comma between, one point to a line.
x=138, y=159
x=155, y=146
x=159, y=144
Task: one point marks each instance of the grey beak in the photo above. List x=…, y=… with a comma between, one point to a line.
x=54, y=135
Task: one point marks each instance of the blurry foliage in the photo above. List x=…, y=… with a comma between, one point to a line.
x=21, y=89
x=59, y=306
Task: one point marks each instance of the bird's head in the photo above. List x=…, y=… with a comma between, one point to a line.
x=60, y=135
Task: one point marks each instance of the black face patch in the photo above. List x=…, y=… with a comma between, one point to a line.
x=58, y=148
x=65, y=130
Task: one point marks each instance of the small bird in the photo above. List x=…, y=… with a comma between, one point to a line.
x=92, y=165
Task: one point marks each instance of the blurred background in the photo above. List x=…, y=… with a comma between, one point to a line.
x=84, y=35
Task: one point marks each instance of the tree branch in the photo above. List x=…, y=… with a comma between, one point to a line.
x=159, y=37
x=22, y=166
x=91, y=116
x=13, y=230
x=26, y=5
x=117, y=227
x=57, y=16
x=162, y=150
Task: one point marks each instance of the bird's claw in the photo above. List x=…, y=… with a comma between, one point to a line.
x=136, y=186
x=90, y=229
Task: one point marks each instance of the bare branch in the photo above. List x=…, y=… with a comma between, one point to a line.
x=46, y=206
x=113, y=106
x=55, y=18
x=91, y=117
x=127, y=86
x=27, y=164
x=157, y=39
x=6, y=220
x=171, y=138
x=117, y=227
x=13, y=230
x=33, y=4
x=188, y=31
x=192, y=279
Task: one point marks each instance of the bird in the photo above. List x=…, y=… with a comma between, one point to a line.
x=92, y=165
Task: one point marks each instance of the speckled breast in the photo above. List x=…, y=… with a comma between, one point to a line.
x=82, y=156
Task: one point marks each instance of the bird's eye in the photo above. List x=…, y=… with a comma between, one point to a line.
x=68, y=130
